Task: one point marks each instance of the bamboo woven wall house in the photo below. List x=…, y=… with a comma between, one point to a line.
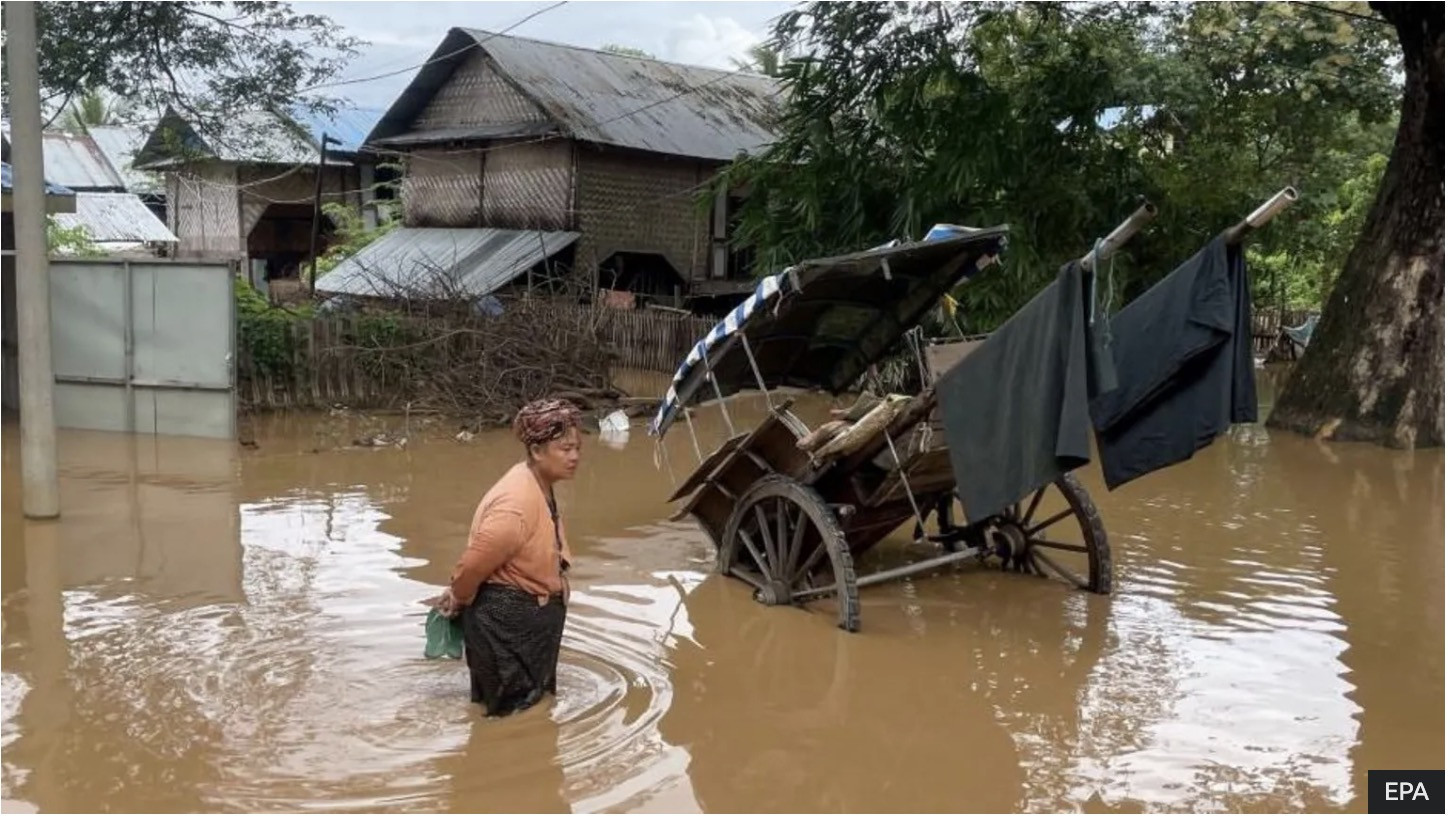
x=600, y=154
x=247, y=193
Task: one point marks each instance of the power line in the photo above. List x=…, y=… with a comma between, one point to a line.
x=450, y=55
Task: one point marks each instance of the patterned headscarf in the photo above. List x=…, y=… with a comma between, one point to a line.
x=542, y=421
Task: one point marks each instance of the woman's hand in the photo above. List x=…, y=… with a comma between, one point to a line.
x=446, y=604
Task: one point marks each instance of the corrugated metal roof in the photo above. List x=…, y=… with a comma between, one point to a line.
x=119, y=144
x=115, y=218
x=7, y=183
x=468, y=132
x=262, y=137
x=75, y=161
x=474, y=261
x=600, y=97
x=259, y=136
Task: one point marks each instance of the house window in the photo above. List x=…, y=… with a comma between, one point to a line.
x=728, y=262
x=742, y=259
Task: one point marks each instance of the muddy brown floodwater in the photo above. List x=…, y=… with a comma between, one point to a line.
x=216, y=628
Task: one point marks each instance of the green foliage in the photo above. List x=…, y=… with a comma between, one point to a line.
x=903, y=115
x=762, y=59
x=351, y=234
x=94, y=107
x=63, y=241
x=208, y=60
x=265, y=330
x=627, y=51
x=270, y=335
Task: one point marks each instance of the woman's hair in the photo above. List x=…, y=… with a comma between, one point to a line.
x=542, y=421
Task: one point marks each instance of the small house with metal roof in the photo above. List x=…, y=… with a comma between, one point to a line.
x=245, y=190
x=600, y=156
x=119, y=145
x=98, y=199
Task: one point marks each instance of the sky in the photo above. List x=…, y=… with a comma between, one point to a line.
x=402, y=35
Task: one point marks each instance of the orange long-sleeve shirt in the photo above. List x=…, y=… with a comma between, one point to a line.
x=511, y=541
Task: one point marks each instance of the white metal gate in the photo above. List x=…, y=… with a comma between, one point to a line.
x=144, y=346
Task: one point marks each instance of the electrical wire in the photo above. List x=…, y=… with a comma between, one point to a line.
x=441, y=58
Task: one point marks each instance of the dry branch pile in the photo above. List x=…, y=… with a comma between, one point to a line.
x=475, y=367
x=489, y=367
x=424, y=343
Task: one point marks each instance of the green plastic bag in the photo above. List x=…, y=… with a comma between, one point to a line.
x=444, y=637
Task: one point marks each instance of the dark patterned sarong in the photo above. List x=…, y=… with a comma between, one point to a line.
x=512, y=647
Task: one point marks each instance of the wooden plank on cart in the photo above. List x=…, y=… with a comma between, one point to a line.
x=769, y=448
x=707, y=467
x=927, y=472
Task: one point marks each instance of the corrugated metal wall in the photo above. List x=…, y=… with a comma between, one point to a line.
x=641, y=203
x=144, y=346
x=477, y=95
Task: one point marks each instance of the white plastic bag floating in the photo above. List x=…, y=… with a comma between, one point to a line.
x=614, y=439
x=614, y=430
x=616, y=422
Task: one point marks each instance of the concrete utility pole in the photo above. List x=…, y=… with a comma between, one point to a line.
x=32, y=270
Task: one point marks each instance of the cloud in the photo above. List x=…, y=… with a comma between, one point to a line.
x=708, y=41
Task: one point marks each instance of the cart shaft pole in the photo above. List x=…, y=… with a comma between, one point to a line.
x=1261, y=215
x=1120, y=235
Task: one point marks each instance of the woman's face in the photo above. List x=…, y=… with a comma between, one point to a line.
x=558, y=459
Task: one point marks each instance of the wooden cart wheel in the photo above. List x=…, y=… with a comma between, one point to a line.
x=1055, y=533
x=784, y=541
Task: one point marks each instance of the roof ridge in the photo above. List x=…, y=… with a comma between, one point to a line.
x=491, y=35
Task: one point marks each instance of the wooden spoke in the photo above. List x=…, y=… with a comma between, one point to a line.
x=1066, y=574
x=748, y=577
x=754, y=553
x=1032, y=507
x=776, y=521
x=782, y=566
x=1049, y=522
x=798, y=537
x=804, y=569
x=1034, y=565
x=1058, y=545
x=1022, y=543
x=764, y=531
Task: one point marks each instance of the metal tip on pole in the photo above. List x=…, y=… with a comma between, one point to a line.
x=1145, y=213
x=1262, y=214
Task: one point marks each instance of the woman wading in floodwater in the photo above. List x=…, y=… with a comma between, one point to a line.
x=510, y=586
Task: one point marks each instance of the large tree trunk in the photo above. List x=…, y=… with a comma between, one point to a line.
x=1375, y=368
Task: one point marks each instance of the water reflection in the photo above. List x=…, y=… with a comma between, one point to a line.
x=212, y=630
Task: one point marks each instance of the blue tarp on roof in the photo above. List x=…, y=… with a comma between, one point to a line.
x=349, y=126
x=51, y=188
